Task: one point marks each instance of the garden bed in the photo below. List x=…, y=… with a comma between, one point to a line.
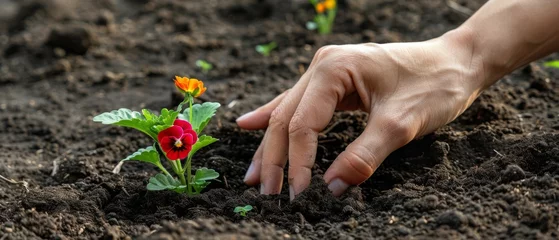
x=493, y=172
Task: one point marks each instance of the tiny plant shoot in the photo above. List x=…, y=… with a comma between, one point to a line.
x=243, y=210
x=176, y=136
x=552, y=64
x=266, y=49
x=325, y=15
x=205, y=66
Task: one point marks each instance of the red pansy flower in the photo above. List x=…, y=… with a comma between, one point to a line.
x=177, y=140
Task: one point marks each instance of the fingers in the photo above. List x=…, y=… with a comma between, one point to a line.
x=252, y=176
x=312, y=115
x=362, y=157
x=275, y=148
x=259, y=118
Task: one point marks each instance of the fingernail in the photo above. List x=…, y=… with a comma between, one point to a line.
x=291, y=193
x=262, y=188
x=337, y=186
x=245, y=116
x=250, y=171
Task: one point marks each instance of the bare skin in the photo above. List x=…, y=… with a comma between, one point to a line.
x=408, y=89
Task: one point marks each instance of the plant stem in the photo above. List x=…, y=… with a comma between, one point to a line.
x=174, y=166
x=179, y=108
x=190, y=100
x=160, y=166
x=181, y=174
x=178, y=170
x=331, y=17
x=188, y=169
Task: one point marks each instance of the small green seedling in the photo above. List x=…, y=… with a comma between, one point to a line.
x=325, y=15
x=552, y=64
x=266, y=49
x=243, y=210
x=205, y=66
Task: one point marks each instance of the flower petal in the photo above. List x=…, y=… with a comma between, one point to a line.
x=182, y=83
x=192, y=84
x=183, y=152
x=167, y=143
x=189, y=137
x=173, y=155
x=173, y=131
x=185, y=125
x=201, y=88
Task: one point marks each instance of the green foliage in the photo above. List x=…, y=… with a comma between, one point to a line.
x=165, y=182
x=164, y=120
x=152, y=124
x=203, y=141
x=311, y=25
x=127, y=118
x=148, y=155
x=145, y=122
x=266, y=49
x=205, y=66
x=323, y=22
x=201, y=115
x=202, y=178
x=552, y=64
x=243, y=210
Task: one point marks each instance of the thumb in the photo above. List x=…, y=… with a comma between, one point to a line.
x=361, y=158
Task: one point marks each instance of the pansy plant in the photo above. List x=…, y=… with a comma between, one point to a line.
x=176, y=135
x=325, y=15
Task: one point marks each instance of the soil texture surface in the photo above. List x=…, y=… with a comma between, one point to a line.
x=492, y=173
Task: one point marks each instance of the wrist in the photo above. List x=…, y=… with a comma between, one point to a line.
x=462, y=43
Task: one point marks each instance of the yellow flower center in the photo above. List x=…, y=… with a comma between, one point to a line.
x=178, y=143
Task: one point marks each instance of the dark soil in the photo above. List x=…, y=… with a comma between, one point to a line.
x=492, y=173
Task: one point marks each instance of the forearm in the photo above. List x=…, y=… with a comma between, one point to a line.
x=507, y=34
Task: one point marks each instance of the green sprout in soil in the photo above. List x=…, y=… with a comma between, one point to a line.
x=176, y=136
x=243, y=210
x=205, y=66
x=325, y=15
x=266, y=49
x=552, y=64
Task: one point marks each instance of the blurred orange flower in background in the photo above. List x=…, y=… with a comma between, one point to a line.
x=330, y=4
x=190, y=86
x=320, y=7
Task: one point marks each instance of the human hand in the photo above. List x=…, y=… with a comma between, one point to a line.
x=408, y=89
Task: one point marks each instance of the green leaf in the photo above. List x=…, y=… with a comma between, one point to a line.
x=127, y=118
x=201, y=115
x=148, y=115
x=165, y=182
x=204, y=65
x=148, y=155
x=205, y=174
x=311, y=25
x=203, y=141
x=242, y=210
x=164, y=120
x=265, y=49
x=202, y=178
x=552, y=64
x=146, y=121
x=167, y=117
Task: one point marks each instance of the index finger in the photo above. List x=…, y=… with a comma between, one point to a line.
x=312, y=115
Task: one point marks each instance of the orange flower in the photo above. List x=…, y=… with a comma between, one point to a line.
x=320, y=8
x=330, y=4
x=190, y=86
